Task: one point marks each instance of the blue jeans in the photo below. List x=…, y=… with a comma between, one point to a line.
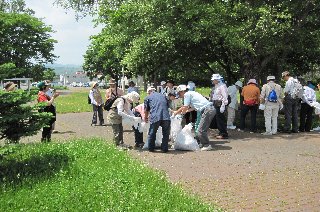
x=165, y=124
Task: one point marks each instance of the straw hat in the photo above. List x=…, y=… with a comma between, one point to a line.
x=92, y=84
x=112, y=81
x=9, y=86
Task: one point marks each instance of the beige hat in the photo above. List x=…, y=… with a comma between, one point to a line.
x=181, y=88
x=9, y=86
x=151, y=88
x=271, y=78
x=112, y=81
x=132, y=96
x=252, y=81
x=285, y=73
x=92, y=84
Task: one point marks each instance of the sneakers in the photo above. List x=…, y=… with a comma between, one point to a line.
x=221, y=137
x=266, y=133
x=317, y=128
x=207, y=148
x=231, y=127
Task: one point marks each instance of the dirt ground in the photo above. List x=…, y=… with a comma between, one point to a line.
x=247, y=172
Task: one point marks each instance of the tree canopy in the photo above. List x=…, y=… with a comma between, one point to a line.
x=25, y=41
x=191, y=39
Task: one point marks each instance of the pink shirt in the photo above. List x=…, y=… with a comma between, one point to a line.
x=140, y=109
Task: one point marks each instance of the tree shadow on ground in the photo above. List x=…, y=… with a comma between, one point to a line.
x=15, y=173
x=65, y=132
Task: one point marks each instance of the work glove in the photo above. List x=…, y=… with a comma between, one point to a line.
x=222, y=108
x=281, y=107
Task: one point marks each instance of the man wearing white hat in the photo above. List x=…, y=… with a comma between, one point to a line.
x=205, y=110
x=233, y=105
x=220, y=101
x=271, y=97
x=97, y=103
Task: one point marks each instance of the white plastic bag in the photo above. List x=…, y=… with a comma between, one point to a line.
x=185, y=140
x=262, y=107
x=316, y=105
x=158, y=139
x=144, y=127
x=175, y=127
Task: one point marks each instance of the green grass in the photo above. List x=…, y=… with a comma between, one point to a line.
x=75, y=102
x=85, y=175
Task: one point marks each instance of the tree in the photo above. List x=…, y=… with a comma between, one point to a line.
x=19, y=117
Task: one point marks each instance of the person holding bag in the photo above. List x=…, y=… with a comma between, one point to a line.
x=251, y=95
x=96, y=101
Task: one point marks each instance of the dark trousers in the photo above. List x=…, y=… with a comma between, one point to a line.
x=291, y=114
x=138, y=136
x=305, y=117
x=97, y=109
x=165, y=124
x=253, y=111
x=191, y=117
x=221, y=122
x=46, y=132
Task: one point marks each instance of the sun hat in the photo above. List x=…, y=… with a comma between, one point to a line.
x=271, y=78
x=285, y=73
x=42, y=84
x=216, y=77
x=92, y=84
x=181, y=88
x=239, y=83
x=132, y=96
x=252, y=81
x=151, y=88
x=9, y=86
x=163, y=82
x=112, y=81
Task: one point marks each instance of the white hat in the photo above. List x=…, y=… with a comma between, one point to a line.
x=270, y=78
x=239, y=83
x=133, y=96
x=216, y=77
x=181, y=88
x=151, y=88
x=163, y=83
x=252, y=81
x=92, y=84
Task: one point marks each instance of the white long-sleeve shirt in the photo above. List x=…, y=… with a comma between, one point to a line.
x=288, y=89
x=221, y=93
x=91, y=96
x=123, y=108
x=309, y=95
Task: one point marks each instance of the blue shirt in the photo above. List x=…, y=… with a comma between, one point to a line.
x=158, y=107
x=130, y=89
x=195, y=100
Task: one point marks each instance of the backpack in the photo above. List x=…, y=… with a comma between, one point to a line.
x=272, y=97
x=297, y=91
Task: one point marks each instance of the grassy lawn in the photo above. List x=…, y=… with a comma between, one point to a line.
x=85, y=175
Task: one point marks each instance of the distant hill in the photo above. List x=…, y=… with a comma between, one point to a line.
x=63, y=68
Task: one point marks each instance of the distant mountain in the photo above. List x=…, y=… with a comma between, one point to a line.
x=64, y=68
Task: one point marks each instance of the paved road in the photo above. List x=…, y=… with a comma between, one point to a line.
x=248, y=172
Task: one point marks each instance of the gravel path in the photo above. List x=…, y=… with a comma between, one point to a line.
x=247, y=172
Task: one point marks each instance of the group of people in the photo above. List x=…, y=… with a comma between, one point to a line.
x=161, y=105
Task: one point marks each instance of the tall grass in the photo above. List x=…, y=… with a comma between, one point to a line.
x=86, y=175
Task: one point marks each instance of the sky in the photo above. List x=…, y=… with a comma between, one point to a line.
x=72, y=35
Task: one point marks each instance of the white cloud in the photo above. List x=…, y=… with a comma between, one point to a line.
x=72, y=35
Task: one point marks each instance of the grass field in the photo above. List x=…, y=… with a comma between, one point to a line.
x=85, y=175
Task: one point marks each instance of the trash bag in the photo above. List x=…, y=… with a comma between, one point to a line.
x=316, y=105
x=144, y=127
x=185, y=140
x=158, y=139
x=175, y=127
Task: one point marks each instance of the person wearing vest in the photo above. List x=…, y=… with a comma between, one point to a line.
x=271, y=97
x=121, y=108
x=290, y=104
x=306, y=111
x=233, y=105
x=96, y=101
x=251, y=97
x=113, y=90
x=220, y=101
x=49, y=108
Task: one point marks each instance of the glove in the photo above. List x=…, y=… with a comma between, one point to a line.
x=222, y=108
x=281, y=107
